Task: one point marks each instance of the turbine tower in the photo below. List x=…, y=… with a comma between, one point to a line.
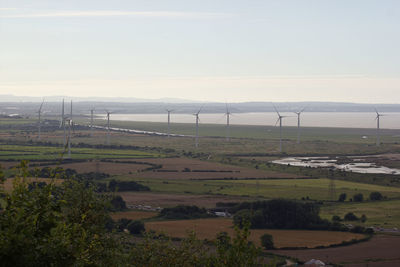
x=298, y=125
x=197, y=128
x=228, y=114
x=378, y=137
x=169, y=120
x=70, y=125
x=69, y=120
x=280, y=117
x=108, y=127
x=62, y=123
x=40, y=122
x=91, y=121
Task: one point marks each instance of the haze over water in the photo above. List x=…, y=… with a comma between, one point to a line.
x=308, y=119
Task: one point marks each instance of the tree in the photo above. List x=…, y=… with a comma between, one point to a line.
x=136, y=227
x=374, y=196
x=363, y=218
x=55, y=225
x=336, y=218
x=358, y=197
x=267, y=241
x=350, y=217
x=342, y=197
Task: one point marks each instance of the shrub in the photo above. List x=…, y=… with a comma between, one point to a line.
x=374, y=196
x=267, y=241
x=184, y=212
x=350, y=217
x=363, y=218
x=135, y=227
x=118, y=204
x=358, y=197
x=342, y=197
x=336, y=218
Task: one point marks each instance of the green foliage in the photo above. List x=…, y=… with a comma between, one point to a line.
x=121, y=186
x=161, y=251
x=267, y=241
x=358, y=197
x=350, y=217
x=54, y=226
x=135, y=227
x=182, y=212
x=117, y=203
x=336, y=218
x=280, y=214
x=342, y=197
x=374, y=196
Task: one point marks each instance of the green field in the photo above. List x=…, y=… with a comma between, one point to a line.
x=20, y=152
x=380, y=213
x=315, y=189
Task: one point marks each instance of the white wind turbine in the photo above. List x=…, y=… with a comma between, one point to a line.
x=62, y=123
x=108, y=127
x=280, y=117
x=197, y=127
x=40, y=122
x=298, y=124
x=70, y=125
x=378, y=137
x=228, y=114
x=169, y=120
x=91, y=121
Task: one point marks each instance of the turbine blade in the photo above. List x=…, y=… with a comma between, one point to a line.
x=277, y=111
x=276, y=123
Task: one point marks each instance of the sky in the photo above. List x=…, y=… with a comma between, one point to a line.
x=209, y=50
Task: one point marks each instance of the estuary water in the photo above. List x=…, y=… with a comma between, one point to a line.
x=357, y=164
x=308, y=119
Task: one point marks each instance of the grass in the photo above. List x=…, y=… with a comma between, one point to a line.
x=21, y=152
x=316, y=189
x=384, y=214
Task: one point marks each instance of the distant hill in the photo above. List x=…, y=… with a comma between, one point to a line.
x=28, y=105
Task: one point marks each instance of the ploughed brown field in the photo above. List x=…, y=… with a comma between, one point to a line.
x=209, y=228
x=170, y=200
x=133, y=215
x=381, y=250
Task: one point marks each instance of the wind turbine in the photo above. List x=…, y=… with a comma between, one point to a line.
x=62, y=122
x=40, y=122
x=197, y=127
x=169, y=119
x=378, y=138
x=228, y=114
x=70, y=125
x=108, y=127
x=69, y=120
x=91, y=121
x=298, y=124
x=280, y=117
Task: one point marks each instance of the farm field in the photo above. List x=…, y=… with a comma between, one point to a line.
x=26, y=152
x=170, y=200
x=209, y=228
x=133, y=215
x=381, y=250
x=385, y=214
x=315, y=189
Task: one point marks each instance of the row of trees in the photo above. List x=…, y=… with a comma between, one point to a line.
x=359, y=197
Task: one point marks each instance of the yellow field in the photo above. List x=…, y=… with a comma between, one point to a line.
x=208, y=229
x=133, y=215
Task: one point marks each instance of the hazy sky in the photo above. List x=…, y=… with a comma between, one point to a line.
x=281, y=50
